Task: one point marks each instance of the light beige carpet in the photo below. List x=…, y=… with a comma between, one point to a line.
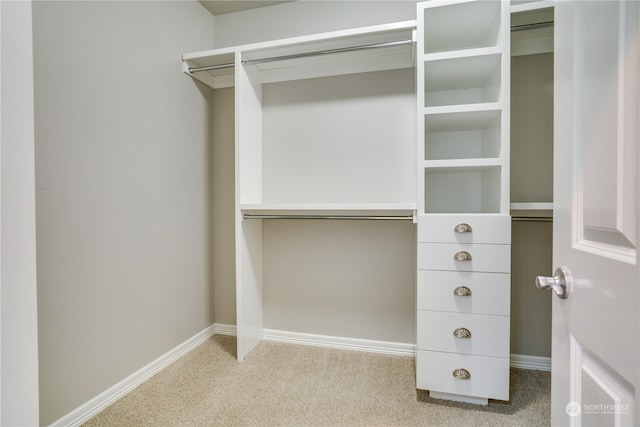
x=292, y=385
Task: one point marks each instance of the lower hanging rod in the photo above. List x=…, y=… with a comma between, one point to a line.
x=532, y=218
x=534, y=26
x=360, y=217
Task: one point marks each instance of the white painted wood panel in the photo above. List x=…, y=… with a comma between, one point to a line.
x=595, y=336
x=484, y=229
x=489, y=375
x=490, y=292
x=486, y=258
x=488, y=334
x=346, y=139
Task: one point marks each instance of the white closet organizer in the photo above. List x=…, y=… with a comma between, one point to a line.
x=464, y=227
x=307, y=168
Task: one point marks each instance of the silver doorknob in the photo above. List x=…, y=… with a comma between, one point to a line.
x=559, y=283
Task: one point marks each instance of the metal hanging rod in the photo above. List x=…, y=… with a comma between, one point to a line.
x=303, y=55
x=359, y=217
x=531, y=219
x=534, y=26
x=211, y=67
x=327, y=52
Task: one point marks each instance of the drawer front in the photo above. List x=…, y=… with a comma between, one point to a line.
x=477, y=334
x=464, y=292
x=489, y=376
x=445, y=256
x=481, y=229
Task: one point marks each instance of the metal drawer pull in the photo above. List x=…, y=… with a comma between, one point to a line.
x=462, y=256
x=462, y=228
x=462, y=291
x=461, y=374
x=462, y=333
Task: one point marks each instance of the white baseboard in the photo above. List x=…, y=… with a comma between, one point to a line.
x=533, y=363
x=111, y=395
x=223, y=329
x=372, y=346
x=520, y=361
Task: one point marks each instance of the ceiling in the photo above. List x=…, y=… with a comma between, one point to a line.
x=221, y=7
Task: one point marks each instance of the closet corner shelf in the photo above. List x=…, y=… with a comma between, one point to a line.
x=536, y=211
x=525, y=6
x=460, y=164
x=462, y=108
x=534, y=206
x=338, y=209
x=464, y=53
x=318, y=55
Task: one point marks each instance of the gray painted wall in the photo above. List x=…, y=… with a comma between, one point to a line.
x=123, y=181
x=307, y=17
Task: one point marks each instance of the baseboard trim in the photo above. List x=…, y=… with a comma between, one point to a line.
x=532, y=363
x=224, y=329
x=371, y=346
x=88, y=410
x=521, y=361
x=111, y=395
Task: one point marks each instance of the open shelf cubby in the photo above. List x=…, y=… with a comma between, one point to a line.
x=462, y=135
x=462, y=190
x=462, y=80
x=467, y=25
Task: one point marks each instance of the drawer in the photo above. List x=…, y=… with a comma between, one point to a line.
x=488, y=293
x=489, y=376
x=482, y=229
x=483, y=334
x=488, y=258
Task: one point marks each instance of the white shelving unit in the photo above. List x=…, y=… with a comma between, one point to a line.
x=464, y=228
x=297, y=158
x=320, y=165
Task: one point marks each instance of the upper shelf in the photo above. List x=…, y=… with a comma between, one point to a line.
x=451, y=25
x=374, y=48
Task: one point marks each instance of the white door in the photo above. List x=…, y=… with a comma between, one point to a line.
x=595, y=330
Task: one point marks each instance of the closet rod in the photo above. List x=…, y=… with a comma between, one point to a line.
x=303, y=55
x=328, y=52
x=534, y=26
x=361, y=217
x=211, y=67
x=531, y=219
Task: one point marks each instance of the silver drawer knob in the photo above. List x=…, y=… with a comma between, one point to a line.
x=462, y=228
x=462, y=256
x=461, y=374
x=462, y=291
x=462, y=333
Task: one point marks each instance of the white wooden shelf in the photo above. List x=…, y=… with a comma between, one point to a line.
x=459, y=54
x=317, y=55
x=463, y=108
x=527, y=5
x=462, y=165
x=404, y=209
x=535, y=206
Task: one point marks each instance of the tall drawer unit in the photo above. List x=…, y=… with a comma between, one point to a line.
x=463, y=303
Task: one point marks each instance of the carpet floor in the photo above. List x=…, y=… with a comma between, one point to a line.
x=293, y=385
